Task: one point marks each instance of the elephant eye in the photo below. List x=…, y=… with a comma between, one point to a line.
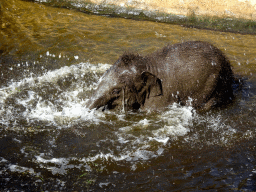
x=116, y=91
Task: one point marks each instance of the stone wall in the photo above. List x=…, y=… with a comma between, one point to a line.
x=245, y=9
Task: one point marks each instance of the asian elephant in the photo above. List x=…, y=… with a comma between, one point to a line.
x=192, y=73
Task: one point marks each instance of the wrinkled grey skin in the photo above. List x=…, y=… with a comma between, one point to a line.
x=195, y=71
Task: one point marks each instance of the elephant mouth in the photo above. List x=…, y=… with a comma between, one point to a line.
x=111, y=104
x=118, y=104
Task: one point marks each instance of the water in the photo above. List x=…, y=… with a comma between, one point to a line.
x=49, y=140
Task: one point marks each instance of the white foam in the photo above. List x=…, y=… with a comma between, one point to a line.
x=46, y=110
x=144, y=122
x=160, y=140
x=62, y=164
x=163, y=134
x=20, y=169
x=136, y=155
x=31, y=96
x=53, y=160
x=177, y=120
x=104, y=184
x=53, y=76
x=3, y=160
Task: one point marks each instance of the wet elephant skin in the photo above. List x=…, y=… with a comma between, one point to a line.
x=192, y=73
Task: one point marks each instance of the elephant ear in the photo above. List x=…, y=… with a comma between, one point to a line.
x=148, y=85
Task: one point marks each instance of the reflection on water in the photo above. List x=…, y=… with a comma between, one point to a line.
x=51, y=60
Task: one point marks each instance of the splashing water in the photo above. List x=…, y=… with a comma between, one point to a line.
x=57, y=99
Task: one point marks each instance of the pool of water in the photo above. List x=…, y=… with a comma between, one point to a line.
x=50, y=62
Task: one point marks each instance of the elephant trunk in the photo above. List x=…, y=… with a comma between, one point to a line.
x=96, y=103
x=91, y=104
x=99, y=100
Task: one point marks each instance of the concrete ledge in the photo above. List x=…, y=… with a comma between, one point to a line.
x=245, y=9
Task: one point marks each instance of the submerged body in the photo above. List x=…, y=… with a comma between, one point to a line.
x=194, y=73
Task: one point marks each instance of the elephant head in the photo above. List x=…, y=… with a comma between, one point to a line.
x=126, y=85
